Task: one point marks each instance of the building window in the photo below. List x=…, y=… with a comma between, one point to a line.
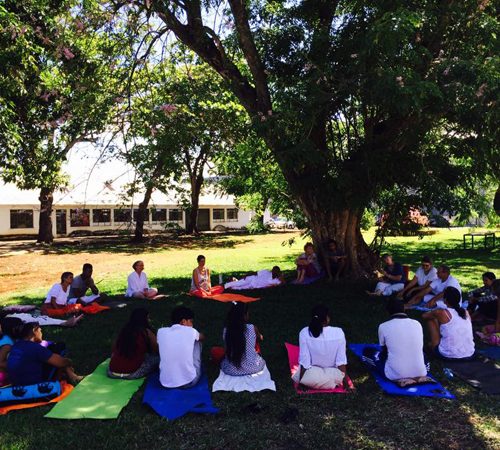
x=159, y=215
x=101, y=216
x=175, y=215
x=232, y=214
x=136, y=215
x=121, y=215
x=21, y=218
x=218, y=214
x=79, y=217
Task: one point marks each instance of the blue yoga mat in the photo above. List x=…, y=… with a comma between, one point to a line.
x=175, y=403
x=490, y=352
x=421, y=390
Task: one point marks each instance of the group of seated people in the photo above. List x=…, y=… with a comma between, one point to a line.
x=308, y=263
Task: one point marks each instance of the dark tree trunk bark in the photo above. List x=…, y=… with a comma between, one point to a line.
x=143, y=208
x=192, y=224
x=45, y=235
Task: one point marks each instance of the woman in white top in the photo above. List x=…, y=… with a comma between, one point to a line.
x=137, y=283
x=201, y=286
x=321, y=347
x=450, y=329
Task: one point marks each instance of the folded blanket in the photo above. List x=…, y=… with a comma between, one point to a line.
x=97, y=397
x=252, y=383
x=175, y=403
x=94, y=308
x=391, y=388
x=293, y=362
x=66, y=389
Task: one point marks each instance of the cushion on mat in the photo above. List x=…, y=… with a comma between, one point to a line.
x=320, y=377
x=45, y=390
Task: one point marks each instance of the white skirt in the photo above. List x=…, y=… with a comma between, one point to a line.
x=259, y=381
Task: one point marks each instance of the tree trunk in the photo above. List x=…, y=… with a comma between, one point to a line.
x=46, y=198
x=143, y=208
x=192, y=223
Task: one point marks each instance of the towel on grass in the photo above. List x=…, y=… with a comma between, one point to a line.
x=420, y=390
x=293, y=362
x=256, y=382
x=175, y=403
x=480, y=374
x=94, y=308
x=97, y=397
x=66, y=389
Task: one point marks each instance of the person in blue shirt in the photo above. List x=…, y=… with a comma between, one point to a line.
x=392, y=279
x=9, y=327
x=29, y=362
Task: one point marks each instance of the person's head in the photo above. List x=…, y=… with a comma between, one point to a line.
x=10, y=326
x=138, y=266
x=31, y=331
x=67, y=278
x=395, y=306
x=488, y=278
x=236, y=320
x=451, y=297
x=332, y=245
x=87, y=270
x=201, y=260
x=426, y=263
x=309, y=249
x=387, y=259
x=320, y=317
x=138, y=323
x=495, y=288
x=443, y=272
x=182, y=315
x=276, y=271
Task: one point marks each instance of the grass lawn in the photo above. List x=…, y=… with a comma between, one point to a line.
x=365, y=419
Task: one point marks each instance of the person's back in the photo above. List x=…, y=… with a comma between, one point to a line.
x=404, y=339
x=457, y=339
x=251, y=361
x=125, y=364
x=25, y=362
x=326, y=350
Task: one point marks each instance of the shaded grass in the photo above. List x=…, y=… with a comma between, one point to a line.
x=365, y=419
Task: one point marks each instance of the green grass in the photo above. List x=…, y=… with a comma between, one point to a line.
x=365, y=419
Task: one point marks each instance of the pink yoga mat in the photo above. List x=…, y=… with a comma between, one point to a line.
x=293, y=361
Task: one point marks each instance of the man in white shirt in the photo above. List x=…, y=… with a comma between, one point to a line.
x=402, y=341
x=180, y=351
x=433, y=294
x=424, y=276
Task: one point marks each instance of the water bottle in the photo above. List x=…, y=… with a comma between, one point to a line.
x=448, y=373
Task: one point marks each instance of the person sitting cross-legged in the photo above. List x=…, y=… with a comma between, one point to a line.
x=402, y=339
x=322, y=353
x=135, y=351
x=201, y=284
x=137, y=283
x=335, y=260
x=29, y=362
x=392, y=280
x=423, y=278
x=483, y=301
x=82, y=283
x=450, y=329
x=307, y=264
x=180, y=351
x=433, y=294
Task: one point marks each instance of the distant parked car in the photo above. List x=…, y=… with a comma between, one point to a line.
x=280, y=223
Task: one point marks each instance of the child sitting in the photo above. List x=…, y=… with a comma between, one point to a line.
x=180, y=351
x=135, y=351
x=29, y=362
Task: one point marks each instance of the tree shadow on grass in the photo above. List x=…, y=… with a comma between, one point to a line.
x=121, y=244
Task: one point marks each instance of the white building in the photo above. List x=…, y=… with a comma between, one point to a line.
x=94, y=201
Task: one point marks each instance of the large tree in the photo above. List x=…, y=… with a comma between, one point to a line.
x=59, y=78
x=354, y=98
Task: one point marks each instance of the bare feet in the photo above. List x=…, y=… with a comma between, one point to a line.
x=73, y=322
x=159, y=296
x=75, y=379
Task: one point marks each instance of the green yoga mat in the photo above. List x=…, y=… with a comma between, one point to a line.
x=96, y=397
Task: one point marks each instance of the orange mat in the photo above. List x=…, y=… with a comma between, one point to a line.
x=94, y=308
x=66, y=389
x=233, y=298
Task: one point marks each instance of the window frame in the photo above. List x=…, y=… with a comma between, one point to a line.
x=26, y=212
x=74, y=212
x=223, y=214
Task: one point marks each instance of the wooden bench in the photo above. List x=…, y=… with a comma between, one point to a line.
x=488, y=236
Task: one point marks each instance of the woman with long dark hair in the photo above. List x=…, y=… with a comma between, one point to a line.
x=240, y=339
x=135, y=351
x=242, y=369
x=450, y=329
x=322, y=353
